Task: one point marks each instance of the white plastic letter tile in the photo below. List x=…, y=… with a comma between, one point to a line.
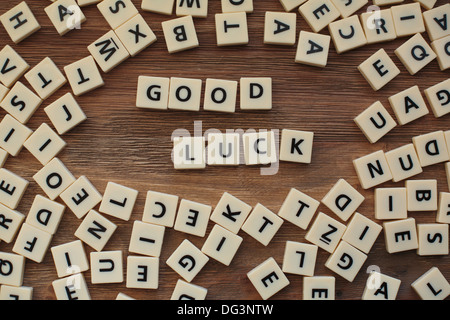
x=431, y=148
x=400, y=235
x=432, y=285
x=313, y=49
x=189, y=153
x=70, y=258
x=427, y=4
x=296, y=146
x=319, y=13
x=123, y=296
x=390, y=203
x=298, y=208
x=343, y=199
x=447, y=139
x=188, y=291
x=83, y=76
x=95, y=230
x=280, y=28
x=117, y=12
x=46, y=78
x=187, y=260
x=107, y=267
x=192, y=218
x=437, y=21
x=408, y=105
x=223, y=149
x=375, y=122
x=16, y=293
x=3, y=92
x=84, y=3
x=415, y=54
x=299, y=258
x=256, y=93
x=146, y=239
x=262, y=224
x=73, y=287
x=290, y=5
x=381, y=287
x=222, y=245
x=260, y=148
x=45, y=214
x=347, y=34
x=403, y=162
x=20, y=22
x=443, y=214
x=220, y=95
x=185, y=94
x=237, y=6
x=347, y=8
x=197, y=8
x=408, y=19
x=136, y=35
x=447, y=170
x=372, y=169
x=440, y=47
x=438, y=97
x=108, y=51
x=13, y=268
x=21, y=102
x=65, y=113
x=12, y=188
x=230, y=212
x=180, y=34
x=81, y=196
x=379, y=69
x=346, y=261
x=13, y=66
x=44, y=144
x=325, y=232
x=378, y=26
x=32, y=243
x=433, y=239
x=268, y=278
x=3, y=157
x=10, y=222
x=13, y=135
x=319, y=288
x=118, y=201
x=65, y=15
x=231, y=29
x=362, y=232
x=142, y=272
x=160, y=208
x=54, y=178
x=158, y=6
x=422, y=195
x=153, y=92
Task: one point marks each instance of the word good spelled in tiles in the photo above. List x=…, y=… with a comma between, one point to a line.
x=220, y=95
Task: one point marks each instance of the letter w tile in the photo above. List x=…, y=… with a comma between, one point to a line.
x=108, y=47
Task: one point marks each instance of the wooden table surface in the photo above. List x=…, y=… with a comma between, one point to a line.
x=132, y=146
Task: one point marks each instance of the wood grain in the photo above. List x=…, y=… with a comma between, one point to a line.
x=131, y=146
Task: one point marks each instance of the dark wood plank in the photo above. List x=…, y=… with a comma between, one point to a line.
x=127, y=145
